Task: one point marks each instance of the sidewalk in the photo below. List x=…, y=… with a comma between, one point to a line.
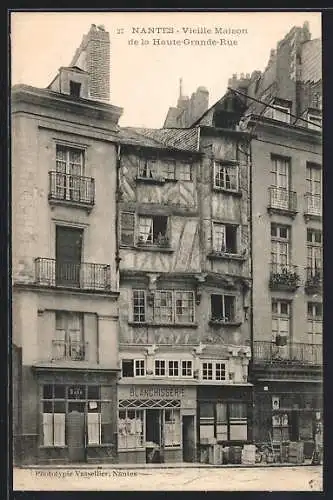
x=184, y=465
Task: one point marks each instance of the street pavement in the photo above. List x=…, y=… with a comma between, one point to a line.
x=298, y=478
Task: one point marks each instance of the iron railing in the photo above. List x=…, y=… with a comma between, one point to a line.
x=313, y=204
x=63, y=350
x=282, y=199
x=86, y=276
x=283, y=276
x=293, y=352
x=314, y=278
x=71, y=188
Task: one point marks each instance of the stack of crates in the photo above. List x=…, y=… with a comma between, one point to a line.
x=248, y=454
x=296, y=452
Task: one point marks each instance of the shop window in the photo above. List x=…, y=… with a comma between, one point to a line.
x=93, y=401
x=223, y=308
x=280, y=426
x=160, y=367
x=207, y=429
x=139, y=306
x=225, y=176
x=130, y=429
x=133, y=367
x=172, y=427
x=238, y=421
x=225, y=238
x=221, y=422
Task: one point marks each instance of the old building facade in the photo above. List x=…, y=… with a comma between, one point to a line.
x=65, y=276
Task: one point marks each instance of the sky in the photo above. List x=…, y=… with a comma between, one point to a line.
x=145, y=77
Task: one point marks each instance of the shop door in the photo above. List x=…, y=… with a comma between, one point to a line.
x=188, y=438
x=154, y=436
x=68, y=256
x=76, y=436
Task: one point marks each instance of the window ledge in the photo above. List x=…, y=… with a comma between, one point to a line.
x=150, y=180
x=217, y=322
x=152, y=323
x=226, y=256
x=234, y=192
x=282, y=211
x=154, y=248
x=71, y=203
x=50, y=446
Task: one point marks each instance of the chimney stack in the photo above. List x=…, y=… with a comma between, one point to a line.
x=93, y=56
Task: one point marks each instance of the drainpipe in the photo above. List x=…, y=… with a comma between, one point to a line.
x=118, y=194
x=251, y=276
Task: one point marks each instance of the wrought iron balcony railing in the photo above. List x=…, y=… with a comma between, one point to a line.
x=282, y=199
x=314, y=279
x=313, y=205
x=71, y=188
x=283, y=277
x=85, y=276
x=69, y=350
x=294, y=353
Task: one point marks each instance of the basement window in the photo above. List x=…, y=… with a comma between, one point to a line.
x=74, y=88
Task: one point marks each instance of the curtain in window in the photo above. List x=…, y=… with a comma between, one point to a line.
x=59, y=429
x=94, y=428
x=48, y=429
x=219, y=238
x=172, y=428
x=146, y=229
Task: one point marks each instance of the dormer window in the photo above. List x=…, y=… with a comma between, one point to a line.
x=314, y=121
x=280, y=111
x=74, y=88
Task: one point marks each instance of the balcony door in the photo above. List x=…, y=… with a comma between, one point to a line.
x=70, y=169
x=68, y=256
x=280, y=175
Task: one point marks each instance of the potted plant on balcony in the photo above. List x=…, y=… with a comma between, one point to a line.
x=281, y=340
x=162, y=240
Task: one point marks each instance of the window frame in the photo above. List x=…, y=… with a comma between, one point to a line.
x=224, y=319
x=228, y=421
x=135, y=362
x=224, y=165
x=144, y=292
x=173, y=294
x=313, y=319
x=224, y=249
x=212, y=367
x=281, y=317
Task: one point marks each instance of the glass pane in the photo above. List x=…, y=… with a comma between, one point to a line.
x=222, y=432
x=60, y=391
x=221, y=413
x=206, y=431
x=206, y=410
x=48, y=391
x=59, y=429
x=94, y=392
x=77, y=392
x=94, y=428
x=238, y=432
x=47, y=429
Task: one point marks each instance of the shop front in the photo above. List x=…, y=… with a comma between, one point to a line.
x=288, y=412
x=156, y=423
x=77, y=417
x=224, y=417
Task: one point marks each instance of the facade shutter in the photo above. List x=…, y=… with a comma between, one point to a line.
x=127, y=221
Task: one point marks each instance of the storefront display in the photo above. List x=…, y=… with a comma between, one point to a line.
x=152, y=421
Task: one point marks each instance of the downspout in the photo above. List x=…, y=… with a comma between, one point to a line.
x=118, y=197
x=250, y=366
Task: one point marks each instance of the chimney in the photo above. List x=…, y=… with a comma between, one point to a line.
x=93, y=56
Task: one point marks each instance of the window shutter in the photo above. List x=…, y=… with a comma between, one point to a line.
x=127, y=223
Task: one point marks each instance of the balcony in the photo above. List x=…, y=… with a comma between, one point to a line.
x=313, y=206
x=282, y=201
x=69, y=351
x=314, y=280
x=84, y=276
x=284, y=277
x=73, y=190
x=292, y=353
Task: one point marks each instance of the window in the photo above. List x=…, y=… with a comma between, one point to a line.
x=184, y=171
x=314, y=122
x=280, y=196
x=223, y=307
x=172, y=306
x=127, y=225
x=187, y=369
x=172, y=427
x=280, y=247
x=168, y=168
x=314, y=251
x=213, y=370
x=69, y=341
x=280, y=112
x=225, y=176
x=133, y=367
x=74, y=88
x=94, y=401
x=160, y=367
x=69, y=172
x=225, y=238
x=173, y=368
x=280, y=321
x=153, y=230
x=139, y=306
x=315, y=318
x=313, y=179
x=148, y=168
x=130, y=429
x=225, y=421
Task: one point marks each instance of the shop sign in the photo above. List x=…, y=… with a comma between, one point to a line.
x=151, y=392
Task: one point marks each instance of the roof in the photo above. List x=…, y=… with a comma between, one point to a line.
x=167, y=138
